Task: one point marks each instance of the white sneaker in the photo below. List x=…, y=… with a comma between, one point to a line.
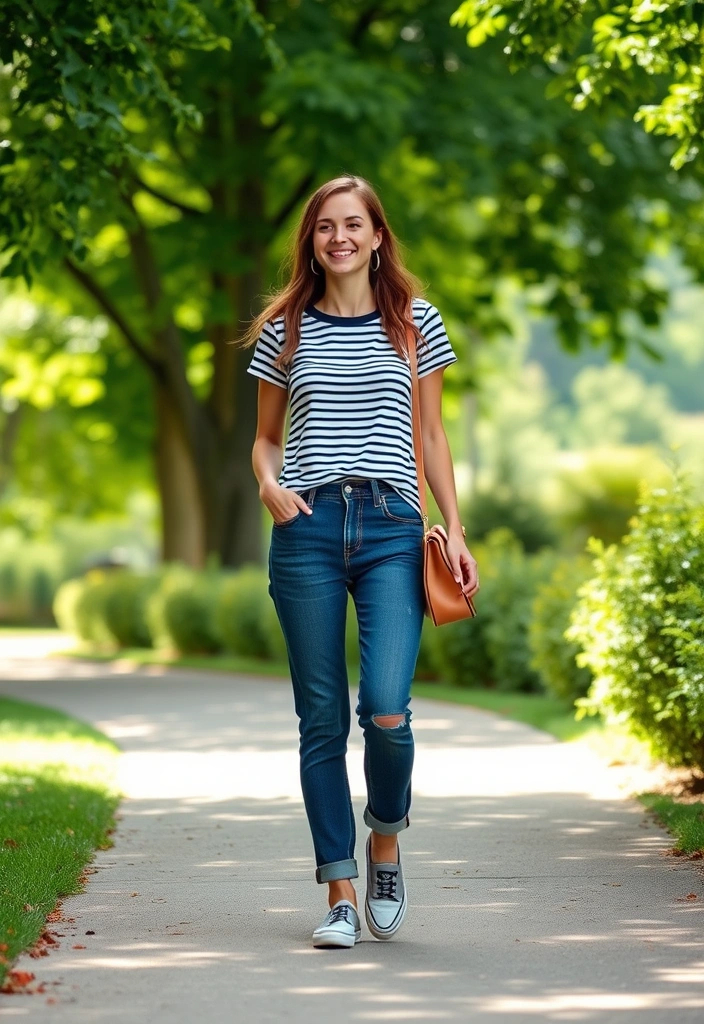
x=386, y=902
x=341, y=927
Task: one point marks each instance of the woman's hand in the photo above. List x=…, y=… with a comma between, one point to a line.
x=464, y=565
x=282, y=503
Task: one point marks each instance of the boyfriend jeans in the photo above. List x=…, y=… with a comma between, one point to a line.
x=363, y=538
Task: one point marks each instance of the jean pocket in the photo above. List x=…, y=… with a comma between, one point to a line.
x=398, y=509
x=288, y=522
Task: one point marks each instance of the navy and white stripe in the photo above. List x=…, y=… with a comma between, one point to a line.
x=350, y=397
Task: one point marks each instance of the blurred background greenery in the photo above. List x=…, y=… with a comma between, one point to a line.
x=543, y=172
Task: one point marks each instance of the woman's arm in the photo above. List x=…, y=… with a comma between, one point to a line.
x=268, y=453
x=440, y=474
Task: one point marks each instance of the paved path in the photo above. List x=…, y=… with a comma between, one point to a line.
x=538, y=889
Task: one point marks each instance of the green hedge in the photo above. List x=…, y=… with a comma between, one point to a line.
x=640, y=623
x=492, y=649
x=181, y=611
x=245, y=617
x=178, y=609
x=29, y=575
x=552, y=655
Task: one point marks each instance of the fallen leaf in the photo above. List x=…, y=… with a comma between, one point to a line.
x=18, y=979
x=78, y=947
x=90, y=932
x=11, y=843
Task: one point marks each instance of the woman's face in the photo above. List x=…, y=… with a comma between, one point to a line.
x=344, y=236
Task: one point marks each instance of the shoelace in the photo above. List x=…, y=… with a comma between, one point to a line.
x=386, y=885
x=340, y=914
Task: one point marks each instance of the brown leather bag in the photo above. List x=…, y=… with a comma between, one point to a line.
x=444, y=599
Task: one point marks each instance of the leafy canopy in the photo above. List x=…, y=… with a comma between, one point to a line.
x=627, y=53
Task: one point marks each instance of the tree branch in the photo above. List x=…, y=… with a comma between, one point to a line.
x=189, y=211
x=363, y=23
x=113, y=313
x=293, y=200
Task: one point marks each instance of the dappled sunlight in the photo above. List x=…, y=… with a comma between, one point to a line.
x=582, y=1005
x=525, y=858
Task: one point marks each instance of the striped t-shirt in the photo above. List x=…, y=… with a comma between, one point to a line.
x=350, y=397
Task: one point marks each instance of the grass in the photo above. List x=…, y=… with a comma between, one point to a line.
x=685, y=821
x=58, y=797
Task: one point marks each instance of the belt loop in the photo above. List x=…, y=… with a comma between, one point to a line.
x=375, y=492
x=311, y=497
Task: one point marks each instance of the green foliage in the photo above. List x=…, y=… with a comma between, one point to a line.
x=501, y=507
x=88, y=608
x=622, y=55
x=181, y=613
x=552, y=655
x=459, y=650
x=512, y=579
x=83, y=70
x=125, y=607
x=29, y=573
x=684, y=820
x=492, y=649
x=640, y=623
x=242, y=616
x=65, y=601
x=599, y=492
x=58, y=792
x=426, y=666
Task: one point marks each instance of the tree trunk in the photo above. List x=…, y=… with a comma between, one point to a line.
x=8, y=439
x=182, y=520
x=229, y=488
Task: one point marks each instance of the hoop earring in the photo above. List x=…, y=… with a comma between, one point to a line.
x=312, y=266
x=378, y=260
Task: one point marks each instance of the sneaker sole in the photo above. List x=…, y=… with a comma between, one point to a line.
x=389, y=933
x=335, y=940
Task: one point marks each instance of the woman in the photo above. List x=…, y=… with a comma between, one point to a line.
x=331, y=348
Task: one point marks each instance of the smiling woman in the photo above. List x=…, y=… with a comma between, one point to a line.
x=333, y=350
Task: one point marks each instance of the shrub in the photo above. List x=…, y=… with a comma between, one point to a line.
x=600, y=492
x=242, y=615
x=426, y=666
x=460, y=653
x=89, y=610
x=65, y=601
x=181, y=612
x=512, y=582
x=492, y=649
x=502, y=507
x=553, y=656
x=125, y=607
x=29, y=574
x=640, y=622
x=275, y=637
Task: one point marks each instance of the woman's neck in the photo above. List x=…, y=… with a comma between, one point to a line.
x=347, y=297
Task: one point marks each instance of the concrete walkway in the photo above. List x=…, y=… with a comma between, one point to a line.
x=538, y=889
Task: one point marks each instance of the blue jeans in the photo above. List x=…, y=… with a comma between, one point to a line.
x=361, y=537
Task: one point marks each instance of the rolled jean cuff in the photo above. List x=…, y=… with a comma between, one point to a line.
x=383, y=827
x=336, y=870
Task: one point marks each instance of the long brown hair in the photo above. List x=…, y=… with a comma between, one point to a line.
x=394, y=287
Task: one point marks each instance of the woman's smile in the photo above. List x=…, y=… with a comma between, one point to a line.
x=341, y=254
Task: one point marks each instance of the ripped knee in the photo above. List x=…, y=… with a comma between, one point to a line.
x=389, y=721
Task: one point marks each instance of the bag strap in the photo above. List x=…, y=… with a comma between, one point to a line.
x=417, y=436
